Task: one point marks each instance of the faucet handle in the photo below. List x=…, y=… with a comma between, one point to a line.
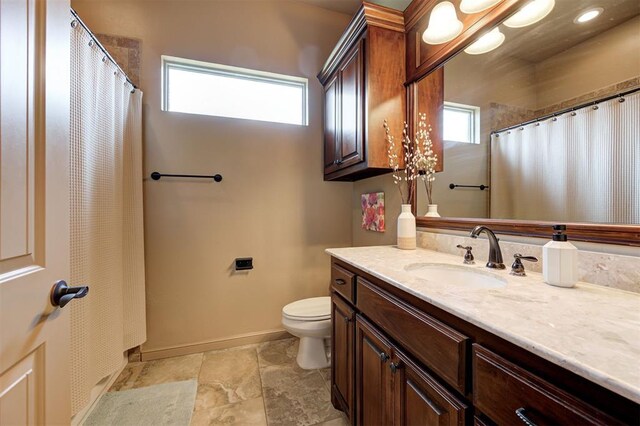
x=468, y=256
x=517, y=268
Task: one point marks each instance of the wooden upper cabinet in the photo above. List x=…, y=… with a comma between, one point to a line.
x=422, y=57
x=350, y=149
x=363, y=83
x=330, y=122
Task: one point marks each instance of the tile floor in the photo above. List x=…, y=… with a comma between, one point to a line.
x=249, y=385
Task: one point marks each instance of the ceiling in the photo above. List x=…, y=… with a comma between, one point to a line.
x=351, y=6
x=552, y=35
x=557, y=32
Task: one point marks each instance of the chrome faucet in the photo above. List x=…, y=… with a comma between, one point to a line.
x=495, y=254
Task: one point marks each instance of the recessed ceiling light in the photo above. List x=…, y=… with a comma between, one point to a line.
x=531, y=13
x=491, y=40
x=588, y=15
x=444, y=24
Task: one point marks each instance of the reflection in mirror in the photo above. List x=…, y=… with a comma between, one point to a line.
x=512, y=121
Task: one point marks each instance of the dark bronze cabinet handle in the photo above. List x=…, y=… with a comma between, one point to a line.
x=383, y=357
x=347, y=319
x=523, y=417
x=340, y=281
x=394, y=367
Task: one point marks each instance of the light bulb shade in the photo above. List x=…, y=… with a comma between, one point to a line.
x=491, y=40
x=444, y=25
x=474, y=6
x=533, y=12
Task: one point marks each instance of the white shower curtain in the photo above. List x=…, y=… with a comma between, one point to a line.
x=577, y=168
x=107, y=252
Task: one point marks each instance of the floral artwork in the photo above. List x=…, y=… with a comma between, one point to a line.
x=373, y=211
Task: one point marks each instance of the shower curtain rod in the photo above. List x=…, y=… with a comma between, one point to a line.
x=97, y=42
x=620, y=95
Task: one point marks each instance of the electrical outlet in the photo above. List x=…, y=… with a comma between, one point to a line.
x=244, y=263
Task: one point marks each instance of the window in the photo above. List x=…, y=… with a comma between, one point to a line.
x=195, y=87
x=461, y=123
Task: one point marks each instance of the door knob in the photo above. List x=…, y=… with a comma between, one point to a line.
x=61, y=293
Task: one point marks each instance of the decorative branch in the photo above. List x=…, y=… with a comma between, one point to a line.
x=419, y=159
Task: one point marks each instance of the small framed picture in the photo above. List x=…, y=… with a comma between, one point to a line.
x=373, y=211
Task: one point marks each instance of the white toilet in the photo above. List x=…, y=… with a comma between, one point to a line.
x=310, y=320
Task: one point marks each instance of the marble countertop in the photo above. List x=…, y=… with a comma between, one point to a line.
x=591, y=330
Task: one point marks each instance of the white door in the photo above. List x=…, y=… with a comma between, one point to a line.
x=34, y=210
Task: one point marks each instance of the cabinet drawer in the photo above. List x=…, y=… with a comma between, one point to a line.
x=509, y=394
x=438, y=346
x=342, y=282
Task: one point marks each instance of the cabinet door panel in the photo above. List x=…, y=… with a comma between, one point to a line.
x=373, y=381
x=342, y=336
x=331, y=121
x=351, y=106
x=420, y=399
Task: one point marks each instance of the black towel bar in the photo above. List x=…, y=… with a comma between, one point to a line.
x=157, y=176
x=481, y=187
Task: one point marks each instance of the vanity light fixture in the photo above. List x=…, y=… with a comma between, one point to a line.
x=444, y=24
x=474, y=6
x=588, y=15
x=531, y=13
x=491, y=40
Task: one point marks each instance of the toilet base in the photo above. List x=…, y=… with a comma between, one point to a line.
x=312, y=354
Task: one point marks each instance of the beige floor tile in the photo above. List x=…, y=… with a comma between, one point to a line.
x=168, y=370
x=278, y=352
x=293, y=396
x=227, y=377
x=326, y=376
x=249, y=412
x=128, y=377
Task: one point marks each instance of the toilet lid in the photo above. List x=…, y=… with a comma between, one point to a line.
x=313, y=309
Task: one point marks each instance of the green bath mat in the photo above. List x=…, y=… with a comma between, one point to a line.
x=166, y=404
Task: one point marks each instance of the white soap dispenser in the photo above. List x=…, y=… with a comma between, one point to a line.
x=560, y=260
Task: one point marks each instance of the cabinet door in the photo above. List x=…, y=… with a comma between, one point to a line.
x=351, y=107
x=419, y=399
x=374, y=396
x=331, y=123
x=342, y=335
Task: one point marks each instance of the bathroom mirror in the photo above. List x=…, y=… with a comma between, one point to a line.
x=546, y=122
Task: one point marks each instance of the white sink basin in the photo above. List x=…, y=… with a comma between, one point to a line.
x=454, y=275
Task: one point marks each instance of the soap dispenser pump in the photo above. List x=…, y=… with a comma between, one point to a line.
x=560, y=260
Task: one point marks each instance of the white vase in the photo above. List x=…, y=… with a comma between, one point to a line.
x=406, y=229
x=432, y=211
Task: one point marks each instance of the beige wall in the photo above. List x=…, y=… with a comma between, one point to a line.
x=272, y=204
x=392, y=202
x=609, y=58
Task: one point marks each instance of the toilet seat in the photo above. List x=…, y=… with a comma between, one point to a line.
x=312, y=309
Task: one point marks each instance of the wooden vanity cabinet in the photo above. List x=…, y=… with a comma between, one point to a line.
x=342, y=355
x=507, y=393
x=374, y=390
x=392, y=389
x=397, y=360
x=363, y=82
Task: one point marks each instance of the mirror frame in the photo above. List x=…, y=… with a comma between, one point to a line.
x=417, y=14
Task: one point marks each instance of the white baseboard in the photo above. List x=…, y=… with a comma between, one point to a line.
x=229, y=342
